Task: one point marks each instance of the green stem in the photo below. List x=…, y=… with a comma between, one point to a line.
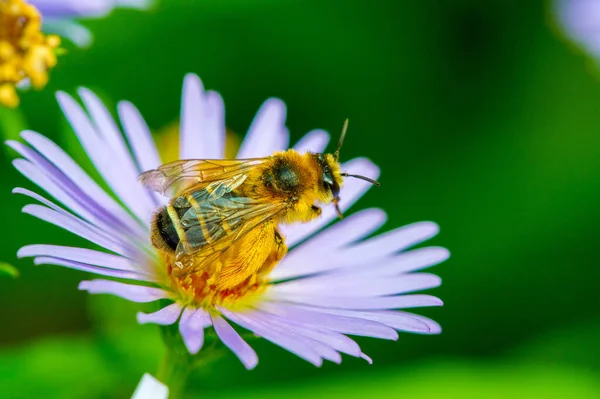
x=174, y=371
x=178, y=364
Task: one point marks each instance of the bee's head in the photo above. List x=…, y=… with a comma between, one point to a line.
x=331, y=174
x=331, y=177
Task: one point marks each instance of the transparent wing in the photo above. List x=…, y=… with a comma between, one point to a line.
x=178, y=177
x=214, y=218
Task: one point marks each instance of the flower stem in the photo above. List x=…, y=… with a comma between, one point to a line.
x=174, y=371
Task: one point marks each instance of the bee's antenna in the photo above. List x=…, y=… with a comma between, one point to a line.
x=374, y=182
x=336, y=154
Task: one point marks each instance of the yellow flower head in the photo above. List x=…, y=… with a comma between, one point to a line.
x=25, y=52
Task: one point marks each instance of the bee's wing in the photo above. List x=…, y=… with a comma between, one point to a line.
x=177, y=177
x=216, y=222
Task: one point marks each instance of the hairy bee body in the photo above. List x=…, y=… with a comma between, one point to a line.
x=231, y=225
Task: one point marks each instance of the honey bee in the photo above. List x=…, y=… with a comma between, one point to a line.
x=224, y=214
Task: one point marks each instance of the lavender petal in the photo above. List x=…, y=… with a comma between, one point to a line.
x=341, y=324
x=124, y=185
x=352, y=286
x=266, y=130
x=202, y=121
x=387, y=302
x=48, y=260
x=191, y=326
x=74, y=225
x=331, y=338
x=305, y=257
x=314, y=141
x=397, y=319
x=82, y=255
x=113, y=141
x=405, y=262
x=372, y=252
x=133, y=293
x=138, y=136
x=164, y=317
x=270, y=333
x=233, y=341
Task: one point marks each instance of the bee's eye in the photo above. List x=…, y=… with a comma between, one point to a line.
x=330, y=183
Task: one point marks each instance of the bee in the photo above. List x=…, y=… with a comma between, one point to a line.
x=223, y=215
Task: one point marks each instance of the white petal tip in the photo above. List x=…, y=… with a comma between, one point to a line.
x=142, y=318
x=367, y=358
x=150, y=388
x=23, y=252
x=62, y=96
x=84, y=91
x=251, y=364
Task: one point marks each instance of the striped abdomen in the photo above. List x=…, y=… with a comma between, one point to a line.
x=199, y=218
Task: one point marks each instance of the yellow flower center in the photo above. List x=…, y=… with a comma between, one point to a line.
x=25, y=52
x=200, y=290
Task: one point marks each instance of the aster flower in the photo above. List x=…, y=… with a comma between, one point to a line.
x=59, y=15
x=580, y=21
x=27, y=54
x=332, y=282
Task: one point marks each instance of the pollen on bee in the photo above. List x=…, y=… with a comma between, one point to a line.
x=201, y=289
x=25, y=52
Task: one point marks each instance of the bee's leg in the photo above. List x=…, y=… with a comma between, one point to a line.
x=278, y=252
x=316, y=211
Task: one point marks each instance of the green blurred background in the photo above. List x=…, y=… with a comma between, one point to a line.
x=482, y=119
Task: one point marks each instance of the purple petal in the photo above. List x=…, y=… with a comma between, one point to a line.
x=139, y=136
x=69, y=199
x=387, y=302
x=291, y=331
x=75, y=176
x=74, y=225
x=353, y=286
x=397, y=319
x=120, y=157
x=351, y=191
x=46, y=260
x=215, y=131
x=72, y=8
x=191, y=326
x=406, y=262
x=50, y=179
x=301, y=260
x=202, y=121
x=82, y=255
x=314, y=141
x=580, y=19
x=265, y=134
x=116, y=175
x=272, y=334
x=367, y=358
x=333, y=339
x=69, y=29
x=233, y=341
x=368, y=254
x=164, y=317
x=134, y=250
x=133, y=293
x=342, y=324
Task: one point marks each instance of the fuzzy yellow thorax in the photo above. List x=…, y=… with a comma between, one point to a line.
x=25, y=52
